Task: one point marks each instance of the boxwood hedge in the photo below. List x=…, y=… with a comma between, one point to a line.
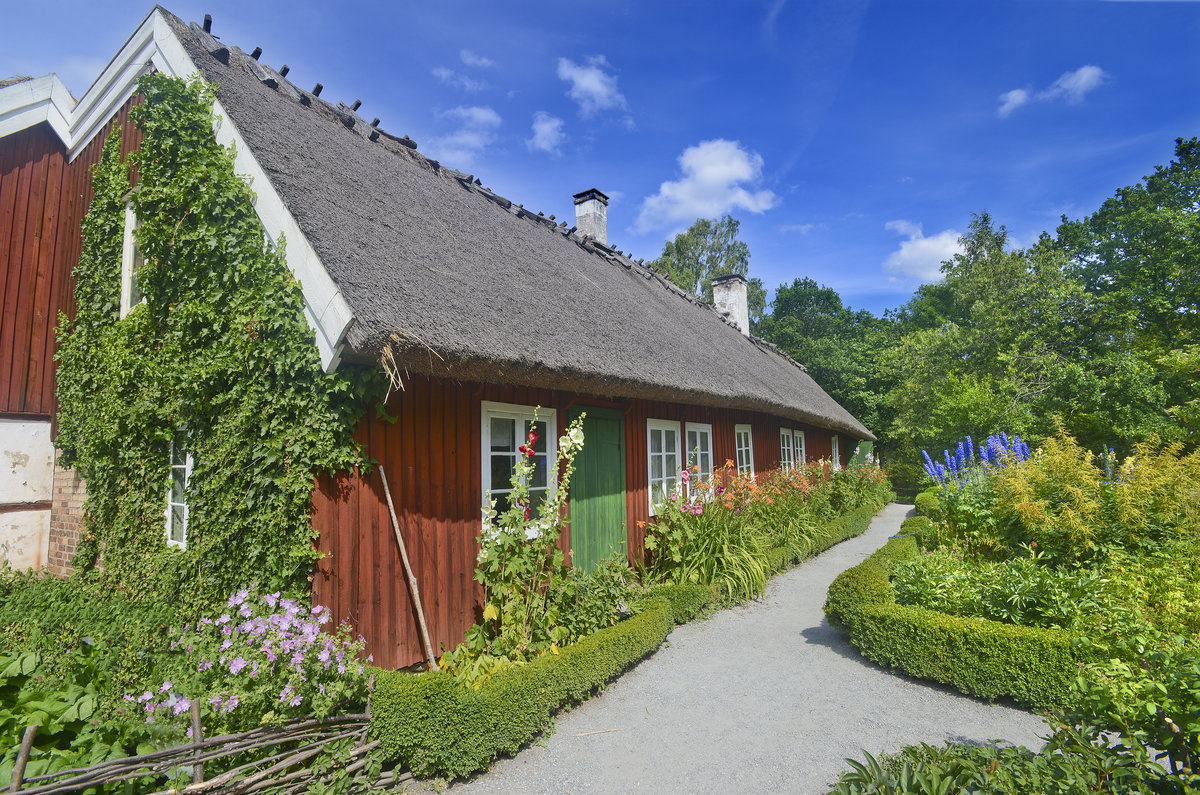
x=436, y=726
x=1033, y=666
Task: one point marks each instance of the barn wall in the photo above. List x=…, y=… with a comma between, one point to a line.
x=431, y=455
x=43, y=199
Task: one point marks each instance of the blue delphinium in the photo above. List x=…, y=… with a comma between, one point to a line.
x=970, y=451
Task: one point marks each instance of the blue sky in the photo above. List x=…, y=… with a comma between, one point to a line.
x=853, y=140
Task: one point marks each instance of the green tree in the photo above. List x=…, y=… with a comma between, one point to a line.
x=1139, y=254
x=708, y=249
x=836, y=344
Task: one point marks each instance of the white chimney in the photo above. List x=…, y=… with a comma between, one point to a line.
x=729, y=298
x=591, y=215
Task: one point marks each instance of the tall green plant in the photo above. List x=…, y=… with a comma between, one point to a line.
x=522, y=569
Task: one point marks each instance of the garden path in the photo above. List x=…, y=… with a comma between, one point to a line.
x=765, y=697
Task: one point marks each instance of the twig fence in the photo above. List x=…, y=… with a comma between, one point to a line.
x=281, y=768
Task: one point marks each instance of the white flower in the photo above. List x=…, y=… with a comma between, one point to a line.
x=532, y=532
x=576, y=435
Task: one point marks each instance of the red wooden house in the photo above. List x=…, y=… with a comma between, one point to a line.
x=481, y=309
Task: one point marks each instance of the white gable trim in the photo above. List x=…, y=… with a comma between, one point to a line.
x=46, y=99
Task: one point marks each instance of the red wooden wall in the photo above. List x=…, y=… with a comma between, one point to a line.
x=431, y=455
x=43, y=199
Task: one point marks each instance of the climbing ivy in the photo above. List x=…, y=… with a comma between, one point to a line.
x=220, y=350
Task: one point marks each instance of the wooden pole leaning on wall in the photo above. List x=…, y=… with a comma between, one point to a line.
x=412, y=581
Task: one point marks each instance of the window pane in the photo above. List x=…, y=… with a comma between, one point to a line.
x=656, y=467
x=178, y=451
x=502, y=470
x=671, y=465
x=178, y=482
x=176, y=529
x=670, y=441
x=538, y=478
x=656, y=440
x=503, y=501
x=537, y=498
x=503, y=435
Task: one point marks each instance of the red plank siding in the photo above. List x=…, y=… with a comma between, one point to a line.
x=43, y=199
x=431, y=454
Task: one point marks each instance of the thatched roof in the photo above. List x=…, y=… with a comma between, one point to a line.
x=446, y=278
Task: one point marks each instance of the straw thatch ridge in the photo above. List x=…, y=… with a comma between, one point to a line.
x=446, y=278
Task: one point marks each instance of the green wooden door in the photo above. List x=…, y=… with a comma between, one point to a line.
x=598, y=488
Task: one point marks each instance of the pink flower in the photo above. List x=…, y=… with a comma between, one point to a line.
x=237, y=665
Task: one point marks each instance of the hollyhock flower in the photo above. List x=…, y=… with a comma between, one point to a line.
x=182, y=706
x=237, y=665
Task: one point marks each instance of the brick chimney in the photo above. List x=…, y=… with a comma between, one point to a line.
x=591, y=215
x=729, y=298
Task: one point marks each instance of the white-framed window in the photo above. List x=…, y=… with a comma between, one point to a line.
x=505, y=429
x=836, y=455
x=131, y=263
x=177, y=507
x=663, y=448
x=744, y=444
x=800, y=454
x=698, y=452
x=787, y=450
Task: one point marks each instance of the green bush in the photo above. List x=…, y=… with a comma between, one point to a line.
x=906, y=479
x=984, y=658
x=922, y=529
x=54, y=618
x=436, y=726
x=687, y=600
x=928, y=504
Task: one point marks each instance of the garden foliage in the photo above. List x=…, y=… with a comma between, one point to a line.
x=219, y=354
x=735, y=531
x=1084, y=558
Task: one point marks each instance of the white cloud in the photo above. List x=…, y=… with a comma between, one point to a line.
x=453, y=78
x=548, y=133
x=592, y=88
x=803, y=229
x=471, y=59
x=920, y=257
x=1011, y=100
x=713, y=173
x=1071, y=87
x=475, y=131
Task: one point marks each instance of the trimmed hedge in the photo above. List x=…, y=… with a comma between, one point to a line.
x=928, y=504
x=436, y=726
x=687, y=600
x=1033, y=666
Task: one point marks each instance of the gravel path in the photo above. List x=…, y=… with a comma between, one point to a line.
x=766, y=697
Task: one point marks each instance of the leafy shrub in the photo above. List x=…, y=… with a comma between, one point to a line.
x=927, y=504
x=438, y=726
x=74, y=730
x=906, y=479
x=1015, y=591
x=959, y=768
x=984, y=658
x=58, y=619
x=687, y=600
x=597, y=596
x=262, y=661
x=752, y=528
